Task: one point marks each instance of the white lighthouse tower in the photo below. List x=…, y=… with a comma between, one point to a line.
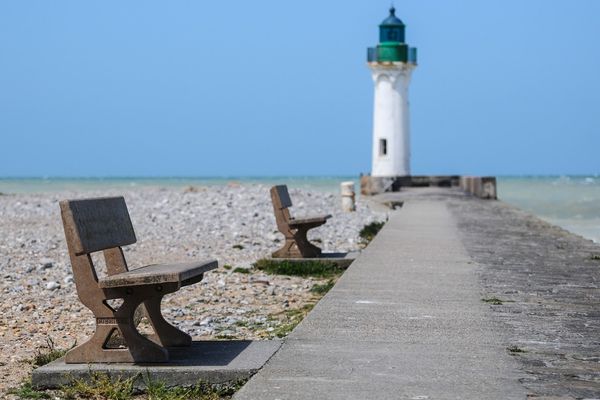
x=391, y=64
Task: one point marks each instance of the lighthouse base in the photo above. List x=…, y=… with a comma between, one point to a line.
x=483, y=187
x=372, y=185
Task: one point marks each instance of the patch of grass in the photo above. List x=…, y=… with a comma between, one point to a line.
x=225, y=337
x=241, y=270
x=227, y=266
x=100, y=386
x=515, y=349
x=291, y=319
x=285, y=329
x=238, y=247
x=157, y=390
x=493, y=301
x=26, y=391
x=322, y=289
x=299, y=312
x=595, y=257
x=48, y=353
x=305, y=269
x=369, y=231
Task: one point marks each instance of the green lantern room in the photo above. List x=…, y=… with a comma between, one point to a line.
x=392, y=47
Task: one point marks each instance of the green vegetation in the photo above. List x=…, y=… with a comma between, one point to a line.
x=368, y=232
x=305, y=269
x=26, y=391
x=222, y=336
x=238, y=247
x=322, y=289
x=48, y=353
x=101, y=386
x=227, y=266
x=240, y=270
x=595, y=257
x=291, y=318
x=515, y=349
x=156, y=390
x=284, y=329
x=493, y=301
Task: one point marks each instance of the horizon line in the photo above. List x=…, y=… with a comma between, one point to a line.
x=100, y=177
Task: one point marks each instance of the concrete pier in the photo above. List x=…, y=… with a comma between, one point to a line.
x=456, y=298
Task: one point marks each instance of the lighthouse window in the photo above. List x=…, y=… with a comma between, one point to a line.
x=393, y=35
x=382, y=147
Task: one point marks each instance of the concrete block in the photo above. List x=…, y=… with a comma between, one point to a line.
x=218, y=361
x=488, y=188
x=476, y=186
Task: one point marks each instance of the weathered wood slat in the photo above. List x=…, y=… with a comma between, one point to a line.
x=158, y=273
x=310, y=220
x=283, y=196
x=98, y=224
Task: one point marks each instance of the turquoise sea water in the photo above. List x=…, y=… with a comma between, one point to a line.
x=572, y=202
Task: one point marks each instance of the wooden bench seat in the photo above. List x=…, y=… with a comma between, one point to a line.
x=184, y=274
x=295, y=230
x=93, y=225
x=303, y=221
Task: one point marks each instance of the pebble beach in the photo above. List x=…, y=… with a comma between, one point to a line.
x=232, y=223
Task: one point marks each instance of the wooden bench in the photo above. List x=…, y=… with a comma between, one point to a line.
x=295, y=230
x=103, y=224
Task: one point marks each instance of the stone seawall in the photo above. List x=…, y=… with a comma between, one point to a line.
x=541, y=282
x=548, y=281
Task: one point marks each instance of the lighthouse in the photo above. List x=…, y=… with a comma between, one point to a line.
x=391, y=64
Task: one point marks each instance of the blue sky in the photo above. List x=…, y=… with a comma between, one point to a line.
x=239, y=88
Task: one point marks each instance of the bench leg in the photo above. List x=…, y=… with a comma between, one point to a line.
x=165, y=333
x=297, y=246
x=139, y=348
x=307, y=249
x=94, y=349
x=288, y=250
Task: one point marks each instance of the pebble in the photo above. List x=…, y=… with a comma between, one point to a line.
x=52, y=285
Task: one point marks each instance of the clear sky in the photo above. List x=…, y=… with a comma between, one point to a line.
x=254, y=88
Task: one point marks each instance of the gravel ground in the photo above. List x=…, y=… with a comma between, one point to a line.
x=233, y=224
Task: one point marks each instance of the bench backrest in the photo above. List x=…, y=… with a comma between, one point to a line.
x=96, y=224
x=280, y=196
x=281, y=202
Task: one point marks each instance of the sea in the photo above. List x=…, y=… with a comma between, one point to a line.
x=571, y=202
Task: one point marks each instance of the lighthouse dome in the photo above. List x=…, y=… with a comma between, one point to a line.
x=391, y=29
x=392, y=19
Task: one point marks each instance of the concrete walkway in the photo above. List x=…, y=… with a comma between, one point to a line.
x=406, y=321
